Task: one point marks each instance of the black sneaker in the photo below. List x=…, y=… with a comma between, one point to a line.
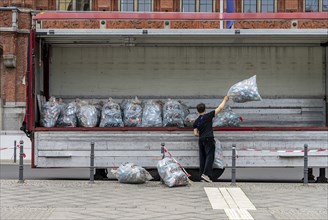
x=206, y=178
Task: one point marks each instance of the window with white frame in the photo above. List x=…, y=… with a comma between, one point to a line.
x=311, y=5
x=205, y=5
x=74, y=5
x=267, y=5
x=325, y=5
x=197, y=5
x=145, y=5
x=127, y=5
x=136, y=5
x=188, y=5
x=250, y=6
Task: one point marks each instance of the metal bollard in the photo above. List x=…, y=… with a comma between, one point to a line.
x=21, y=164
x=163, y=156
x=162, y=150
x=233, y=165
x=92, y=163
x=306, y=170
x=15, y=149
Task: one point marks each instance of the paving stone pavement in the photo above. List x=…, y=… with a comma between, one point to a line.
x=62, y=199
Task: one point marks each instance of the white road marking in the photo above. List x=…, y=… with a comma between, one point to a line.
x=240, y=199
x=216, y=199
x=237, y=214
x=233, y=200
x=228, y=198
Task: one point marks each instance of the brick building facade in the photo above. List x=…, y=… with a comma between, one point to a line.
x=16, y=22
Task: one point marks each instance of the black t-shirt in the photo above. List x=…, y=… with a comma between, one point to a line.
x=204, y=124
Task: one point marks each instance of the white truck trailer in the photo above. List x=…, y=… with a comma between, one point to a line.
x=192, y=65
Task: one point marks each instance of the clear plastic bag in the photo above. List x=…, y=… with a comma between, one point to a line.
x=227, y=118
x=49, y=113
x=245, y=91
x=171, y=173
x=87, y=115
x=185, y=109
x=218, y=155
x=131, y=173
x=132, y=113
x=68, y=116
x=173, y=114
x=111, y=115
x=190, y=119
x=152, y=114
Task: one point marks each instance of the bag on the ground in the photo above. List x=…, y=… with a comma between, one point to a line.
x=131, y=173
x=152, y=114
x=49, y=113
x=111, y=115
x=227, y=118
x=245, y=91
x=173, y=114
x=171, y=173
x=218, y=155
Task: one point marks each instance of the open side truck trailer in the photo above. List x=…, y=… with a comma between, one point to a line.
x=192, y=65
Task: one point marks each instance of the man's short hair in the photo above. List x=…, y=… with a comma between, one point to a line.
x=201, y=107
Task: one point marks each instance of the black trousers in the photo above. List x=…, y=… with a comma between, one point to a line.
x=206, y=155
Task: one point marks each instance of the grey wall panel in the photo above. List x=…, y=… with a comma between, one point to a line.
x=184, y=71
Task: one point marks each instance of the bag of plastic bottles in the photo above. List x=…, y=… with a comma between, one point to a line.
x=218, y=155
x=49, y=113
x=171, y=173
x=131, y=173
x=132, y=113
x=245, y=91
x=67, y=117
x=111, y=115
x=227, y=118
x=173, y=114
x=185, y=109
x=87, y=115
x=152, y=114
x=190, y=119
